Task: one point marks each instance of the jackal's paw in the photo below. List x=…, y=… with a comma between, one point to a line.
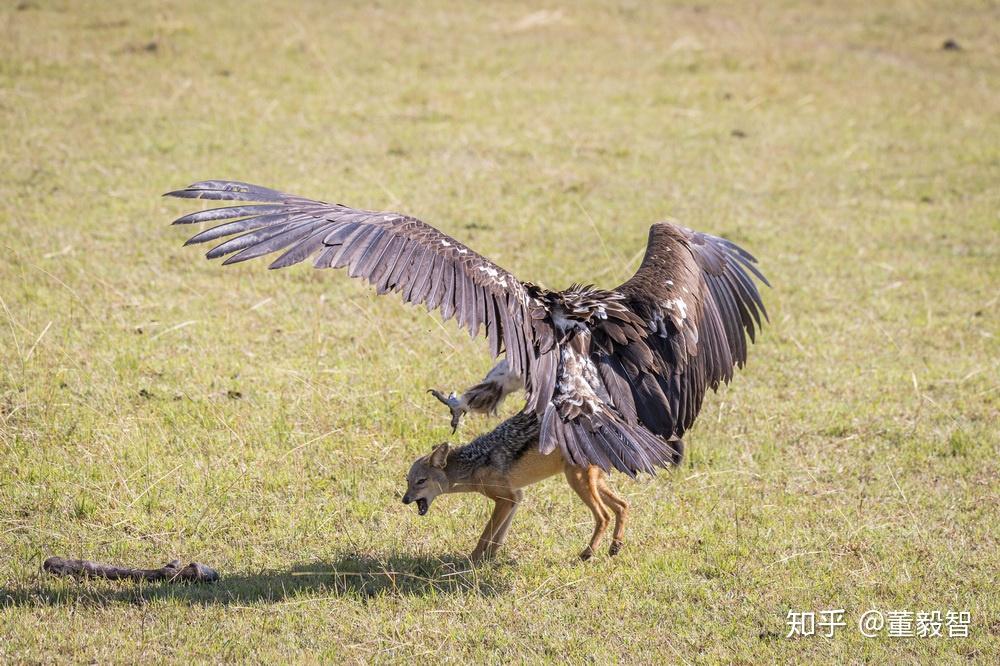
x=478, y=556
x=587, y=553
x=616, y=547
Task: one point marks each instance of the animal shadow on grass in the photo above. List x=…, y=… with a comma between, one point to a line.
x=351, y=575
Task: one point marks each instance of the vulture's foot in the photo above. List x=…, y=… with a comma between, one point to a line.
x=455, y=405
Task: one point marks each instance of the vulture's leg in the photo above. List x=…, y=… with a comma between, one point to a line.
x=677, y=444
x=483, y=398
x=584, y=482
x=619, y=505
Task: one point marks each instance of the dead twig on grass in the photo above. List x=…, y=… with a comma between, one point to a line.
x=171, y=572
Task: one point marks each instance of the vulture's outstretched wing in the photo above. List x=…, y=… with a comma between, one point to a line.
x=611, y=375
x=634, y=362
x=393, y=252
x=699, y=301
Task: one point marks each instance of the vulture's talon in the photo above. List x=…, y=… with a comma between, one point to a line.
x=454, y=405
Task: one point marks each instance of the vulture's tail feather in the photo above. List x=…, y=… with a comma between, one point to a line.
x=605, y=440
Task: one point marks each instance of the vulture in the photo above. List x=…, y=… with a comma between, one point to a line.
x=614, y=376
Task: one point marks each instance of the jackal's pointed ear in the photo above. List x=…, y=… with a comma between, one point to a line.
x=439, y=456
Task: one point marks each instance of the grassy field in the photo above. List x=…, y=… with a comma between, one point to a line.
x=155, y=405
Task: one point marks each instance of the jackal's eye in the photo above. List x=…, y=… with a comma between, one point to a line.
x=420, y=482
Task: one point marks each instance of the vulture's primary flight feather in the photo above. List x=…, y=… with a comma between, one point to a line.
x=614, y=376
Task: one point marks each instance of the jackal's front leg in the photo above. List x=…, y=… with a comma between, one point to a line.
x=483, y=398
x=497, y=526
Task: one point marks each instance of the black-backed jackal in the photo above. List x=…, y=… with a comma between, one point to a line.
x=502, y=462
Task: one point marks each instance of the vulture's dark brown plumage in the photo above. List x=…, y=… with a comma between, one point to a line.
x=614, y=376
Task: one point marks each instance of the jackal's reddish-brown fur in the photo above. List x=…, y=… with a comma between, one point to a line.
x=499, y=465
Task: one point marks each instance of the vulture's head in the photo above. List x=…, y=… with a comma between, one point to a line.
x=427, y=478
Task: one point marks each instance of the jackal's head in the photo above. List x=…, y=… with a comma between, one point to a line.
x=427, y=479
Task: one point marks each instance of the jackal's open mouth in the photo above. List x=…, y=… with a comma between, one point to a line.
x=422, y=506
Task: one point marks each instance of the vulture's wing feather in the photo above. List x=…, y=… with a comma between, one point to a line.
x=612, y=376
x=632, y=381
x=698, y=298
x=393, y=252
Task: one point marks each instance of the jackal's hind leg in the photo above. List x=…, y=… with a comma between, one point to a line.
x=483, y=398
x=585, y=483
x=619, y=505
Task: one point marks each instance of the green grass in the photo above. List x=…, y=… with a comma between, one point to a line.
x=154, y=405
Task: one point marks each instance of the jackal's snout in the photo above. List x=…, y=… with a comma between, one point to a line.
x=422, y=504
